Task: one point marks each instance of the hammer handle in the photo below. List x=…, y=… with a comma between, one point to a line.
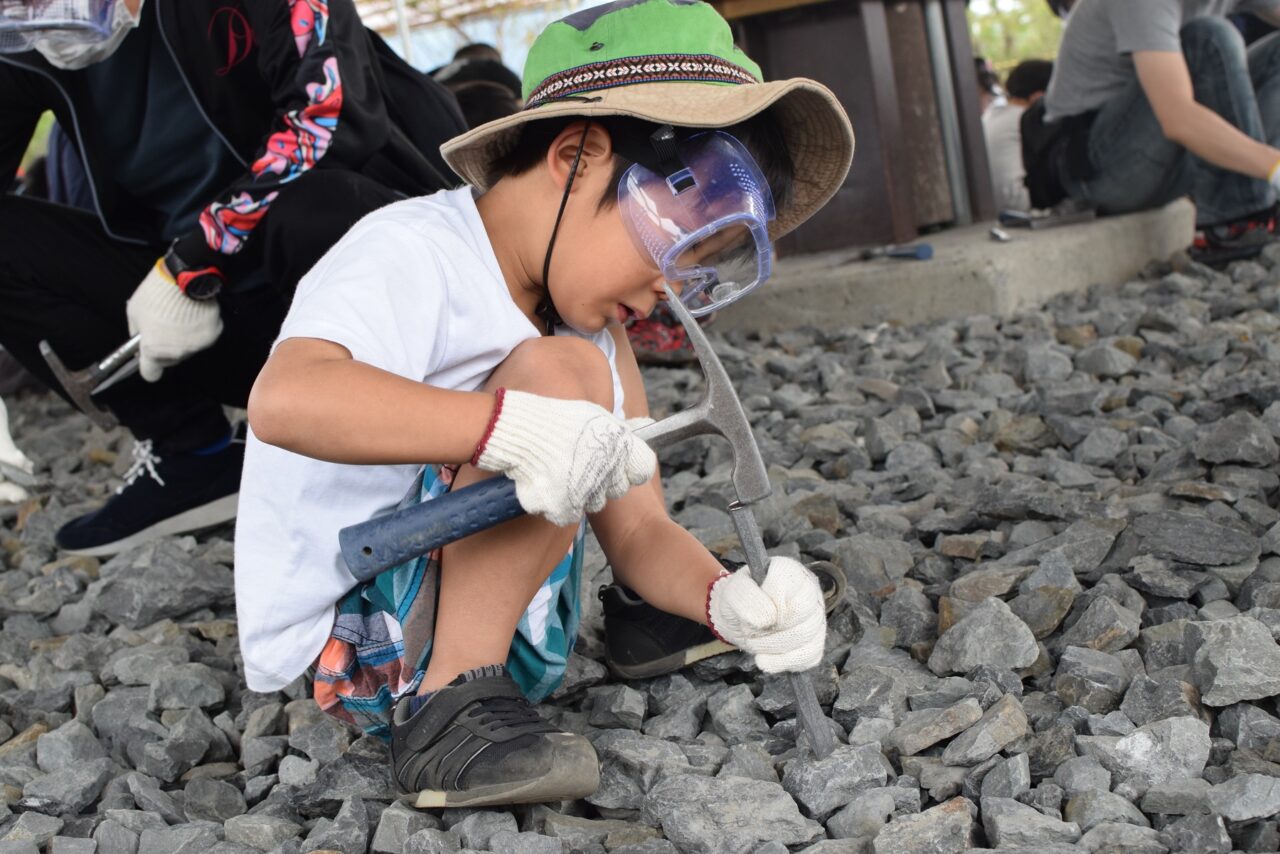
x=375, y=546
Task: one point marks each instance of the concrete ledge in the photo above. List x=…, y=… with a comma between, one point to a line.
x=969, y=274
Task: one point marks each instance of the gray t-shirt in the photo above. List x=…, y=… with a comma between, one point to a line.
x=1094, y=60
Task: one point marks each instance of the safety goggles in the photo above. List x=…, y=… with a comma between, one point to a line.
x=24, y=22
x=704, y=223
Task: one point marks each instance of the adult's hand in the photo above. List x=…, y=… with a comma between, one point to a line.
x=173, y=326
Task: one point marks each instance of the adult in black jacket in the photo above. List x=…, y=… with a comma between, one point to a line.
x=228, y=144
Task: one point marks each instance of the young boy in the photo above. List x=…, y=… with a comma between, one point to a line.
x=480, y=331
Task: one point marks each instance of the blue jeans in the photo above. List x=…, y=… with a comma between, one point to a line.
x=1136, y=168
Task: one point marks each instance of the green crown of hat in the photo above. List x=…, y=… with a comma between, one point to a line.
x=666, y=62
x=634, y=41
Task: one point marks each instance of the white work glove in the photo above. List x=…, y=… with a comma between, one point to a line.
x=173, y=325
x=11, y=493
x=567, y=457
x=782, y=622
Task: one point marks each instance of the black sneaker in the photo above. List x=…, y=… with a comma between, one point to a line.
x=1235, y=241
x=480, y=743
x=641, y=641
x=161, y=496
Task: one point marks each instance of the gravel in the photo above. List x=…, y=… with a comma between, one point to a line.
x=1059, y=633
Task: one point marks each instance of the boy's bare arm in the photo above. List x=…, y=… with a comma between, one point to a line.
x=313, y=398
x=647, y=550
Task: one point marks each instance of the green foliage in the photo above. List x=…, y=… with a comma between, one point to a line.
x=1009, y=31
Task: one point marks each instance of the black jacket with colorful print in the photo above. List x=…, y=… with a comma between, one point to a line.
x=288, y=85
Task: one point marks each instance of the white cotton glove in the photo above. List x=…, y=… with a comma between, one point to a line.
x=782, y=622
x=173, y=325
x=567, y=457
x=11, y=493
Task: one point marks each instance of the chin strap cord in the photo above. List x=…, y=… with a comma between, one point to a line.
x=547, y=308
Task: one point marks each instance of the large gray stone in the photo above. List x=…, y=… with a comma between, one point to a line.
x=1000, y=725
x=70, y=744
x=397, y=823
x=1162, y=752
x=1123, y=838
x=1010, y=824
x=1091, y=679
x=822, y=786
x=1204, y=834
x=212, y=800
x=1090, y=809
x=989, y=634
x=155, y=581
x=1238, y=438
x=1193, y=539
x=186, y=686
x=1246, y=797
x=348, y=832
x=1232, y=660
x=925, y=728
x=263, y=832
x=944, y=829
x=1105, y=625
x=705, y=815
x=75, y=787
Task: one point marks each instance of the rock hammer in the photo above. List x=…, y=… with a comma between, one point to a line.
x=372, y=547
x=82, y=385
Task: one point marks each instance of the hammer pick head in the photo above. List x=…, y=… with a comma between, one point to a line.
x=79, y=387
x=724, y=410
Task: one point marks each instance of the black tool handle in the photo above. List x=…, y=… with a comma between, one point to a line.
x=372, y=547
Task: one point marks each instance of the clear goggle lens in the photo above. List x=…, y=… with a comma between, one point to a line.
x=705, y=227
x=24, y=22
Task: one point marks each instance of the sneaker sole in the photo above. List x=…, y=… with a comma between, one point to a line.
x=575, y=774
x=197, y=518
x=673, y=662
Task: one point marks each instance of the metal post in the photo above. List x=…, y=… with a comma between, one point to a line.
x=402, y=29
x=935, y=28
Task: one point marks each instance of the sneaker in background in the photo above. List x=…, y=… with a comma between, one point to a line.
x=161, y=496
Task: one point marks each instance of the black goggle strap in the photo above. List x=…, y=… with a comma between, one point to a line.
x=547, y=309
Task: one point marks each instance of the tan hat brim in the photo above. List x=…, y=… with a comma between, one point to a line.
x=816, y=129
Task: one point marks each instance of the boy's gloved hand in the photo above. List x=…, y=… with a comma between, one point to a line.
x=782, y=622
x=567, y=457
x=172, y=324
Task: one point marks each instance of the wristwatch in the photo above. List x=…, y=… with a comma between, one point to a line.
x=199, y=283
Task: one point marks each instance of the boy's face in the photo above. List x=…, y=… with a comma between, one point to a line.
x=598, y=276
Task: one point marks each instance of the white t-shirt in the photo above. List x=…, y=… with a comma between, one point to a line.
x=415, y=289
x=1003, y=132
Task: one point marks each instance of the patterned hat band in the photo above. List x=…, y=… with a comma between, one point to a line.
x=669, y=68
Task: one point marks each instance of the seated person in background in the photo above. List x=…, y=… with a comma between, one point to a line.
x=989, y=92
x=1000, y=126
x=485, y=88
x=483, y=101
x=1159, y=99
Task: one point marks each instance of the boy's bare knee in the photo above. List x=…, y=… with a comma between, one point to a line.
x=566, y=367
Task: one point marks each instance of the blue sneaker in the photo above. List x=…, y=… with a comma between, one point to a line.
x=161, y=496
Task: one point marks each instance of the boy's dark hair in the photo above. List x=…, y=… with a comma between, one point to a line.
x=1028, y=78
x=483, y=101
x=760, y=135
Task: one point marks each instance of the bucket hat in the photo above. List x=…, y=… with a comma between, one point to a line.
x=667, y=62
